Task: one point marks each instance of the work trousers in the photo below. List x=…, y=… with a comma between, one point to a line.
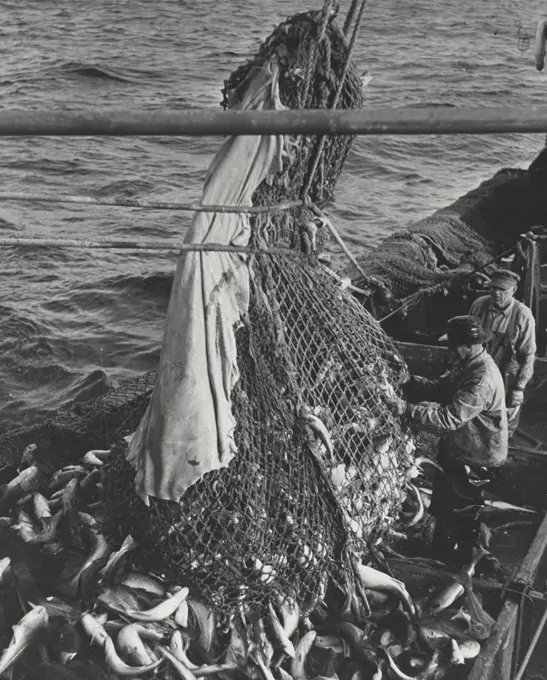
x=456, y=533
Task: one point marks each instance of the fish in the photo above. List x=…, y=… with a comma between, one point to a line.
x=320, y=430
x=42, y=511
x=377, y=580
x=430, y=671
x=99, y=554
x=27, y=631
x=69, y=497
x=90, y=478
x=456, y=656
x=397, y=672
x=178, y=647
x=454, y=590
x=181, y=615
x=126, y=547
x=29, y=535
x=205, y=619
x=445, y=597
x=116, y=664
x=184, y=672
x=27, y=457
x=355, y=637
x=290, y=613
x=213, y=669
x=266, y=647
x=161, y=611
x=298, y=668
x=100, y=453
x=237, y=650
x=61, y=478
x=29, y=480
x=502, y=505
x=286, y=645
x=420, y=460
x=144, y=582
x=469, y=649
x=92, y=459
x=149, y=632
x=5, y=567
x=420, y=509
x=481, y=622
x=132, y=647
x=119, y=599
x=94, y=629
x=6, y=522
x=541, y=37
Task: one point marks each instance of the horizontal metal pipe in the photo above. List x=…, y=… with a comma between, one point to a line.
x=146, y=204
x=28, y=242
x=212, y=122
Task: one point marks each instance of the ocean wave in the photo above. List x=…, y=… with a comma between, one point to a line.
x=100, y=71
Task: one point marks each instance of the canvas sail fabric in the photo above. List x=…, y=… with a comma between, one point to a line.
x=187, y=430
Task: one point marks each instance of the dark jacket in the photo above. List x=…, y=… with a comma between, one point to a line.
x=471, y=411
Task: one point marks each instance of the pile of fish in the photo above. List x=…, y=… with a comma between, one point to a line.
x=83, y=610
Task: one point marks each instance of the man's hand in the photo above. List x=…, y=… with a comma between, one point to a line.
x=515, y=398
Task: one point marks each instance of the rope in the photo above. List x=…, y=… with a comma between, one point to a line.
x=342, y=282
x=369, y=280
x=150, y=205
x=336, y=95
x=350, y=16
x=144, y=245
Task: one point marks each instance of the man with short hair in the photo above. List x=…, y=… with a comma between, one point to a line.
x=469, y=410
x=513, y=343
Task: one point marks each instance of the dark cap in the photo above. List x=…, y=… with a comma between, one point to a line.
x=466, y=330
x=504, y=278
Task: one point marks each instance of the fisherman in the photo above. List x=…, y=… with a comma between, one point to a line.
x=466, y=405
x=513, y=343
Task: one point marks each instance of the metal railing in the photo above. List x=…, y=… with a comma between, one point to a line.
x=212, y=122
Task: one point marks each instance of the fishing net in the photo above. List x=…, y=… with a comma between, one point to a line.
x=321, y=460
x=461, y=237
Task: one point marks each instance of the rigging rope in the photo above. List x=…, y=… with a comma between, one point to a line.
x=337, y=94
x=149, y=205
x=350, y=15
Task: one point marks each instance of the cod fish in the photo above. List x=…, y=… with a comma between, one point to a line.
x=377, y=580
x=132, y=647
x=298, y=670
x=455, y=590
x=99, y=554
x=126, y=547
x=160, y=612
x=26, y=632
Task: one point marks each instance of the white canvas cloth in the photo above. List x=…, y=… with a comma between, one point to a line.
x=188, y=428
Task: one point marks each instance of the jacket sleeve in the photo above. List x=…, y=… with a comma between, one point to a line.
x=525, y=351
x=467, y=403
x=422, y=389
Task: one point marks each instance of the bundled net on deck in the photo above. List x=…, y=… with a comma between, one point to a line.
x=288, y=514
x=462, y=236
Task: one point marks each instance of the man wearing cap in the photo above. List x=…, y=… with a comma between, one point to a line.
x=513, y=343
x=469, y=411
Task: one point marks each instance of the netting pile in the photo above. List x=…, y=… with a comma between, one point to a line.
x=456, y=239
x=321, y=459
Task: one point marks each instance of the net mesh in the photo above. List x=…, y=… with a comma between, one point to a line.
x=321, y=460
x=456, y=239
